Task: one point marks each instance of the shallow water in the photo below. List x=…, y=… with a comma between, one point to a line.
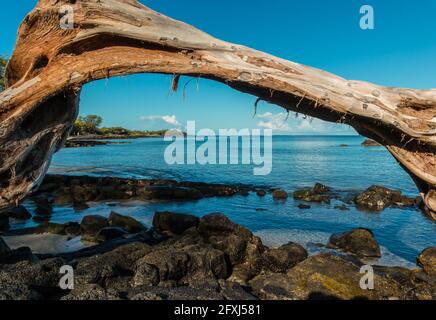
x=297, y=162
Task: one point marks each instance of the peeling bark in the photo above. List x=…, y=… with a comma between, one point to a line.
x=120, y=37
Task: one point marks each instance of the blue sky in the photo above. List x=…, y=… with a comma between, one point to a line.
x=400, y=51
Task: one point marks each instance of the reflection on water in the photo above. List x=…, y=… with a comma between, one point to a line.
x=297, y=162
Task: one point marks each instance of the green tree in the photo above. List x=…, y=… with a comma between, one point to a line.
x=87, y=125
x=3, y=62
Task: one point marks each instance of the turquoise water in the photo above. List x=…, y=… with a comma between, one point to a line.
x=297, y=162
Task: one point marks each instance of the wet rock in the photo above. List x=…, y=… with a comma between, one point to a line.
x=4, y=221
x=173, y=222
x=261, y=193
x=377, y=198
x=280, y=194
x=19, y=213
x=427, y=261
x=127, y=223
x=110, y=233
x=360, y=242
x=316, y=194
x=283, y=258
x=91, y=225
x=304, y=206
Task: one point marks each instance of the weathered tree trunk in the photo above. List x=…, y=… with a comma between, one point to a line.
x=120, y=37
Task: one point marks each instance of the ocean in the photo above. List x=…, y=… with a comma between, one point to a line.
x=297, y=161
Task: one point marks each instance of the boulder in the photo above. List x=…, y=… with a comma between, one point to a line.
x=284, y=258
x=91, y=225
x=317, y=193
x=236, y=241
x=360, y=242
x=187, y=263
x=4, y=221
x=427, y=260
x=19, y=213
x=280, y=194
x=127, y=223
x=377, y=198
x=100, y=268
x=328, y=276
x=110, y=233
x=173, y=222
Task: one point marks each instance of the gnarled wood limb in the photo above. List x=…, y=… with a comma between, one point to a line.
x=120, y=37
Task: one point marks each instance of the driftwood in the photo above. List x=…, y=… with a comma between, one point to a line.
x=120, y=37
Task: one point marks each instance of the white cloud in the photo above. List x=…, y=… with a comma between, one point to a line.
x=282, y=123
x=156, y=120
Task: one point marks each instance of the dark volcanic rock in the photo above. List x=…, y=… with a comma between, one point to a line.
x=127, y=223
x=427, y=260
x=4, y=221
x=316, y=194
x=280, y=194
x=69, y=228
x=19, y=213
x=360, y=242
x=71, y=190
x=4, y=249
x=43, y=206
x=377, y=198
x=261, y=193
x=174, y=222
x=91, y=225
x=110, y=233
x=283, y=258
x=327, y=276
x=17, y=255
x=236, y=241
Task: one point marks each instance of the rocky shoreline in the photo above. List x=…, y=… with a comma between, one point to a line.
x=183, y=257
x=186, y=257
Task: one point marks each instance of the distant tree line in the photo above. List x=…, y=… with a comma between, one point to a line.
x=90, y=125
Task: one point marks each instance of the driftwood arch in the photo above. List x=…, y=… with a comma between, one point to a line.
x=120, y=37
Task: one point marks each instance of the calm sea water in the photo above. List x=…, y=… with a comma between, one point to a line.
x=297, y=162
